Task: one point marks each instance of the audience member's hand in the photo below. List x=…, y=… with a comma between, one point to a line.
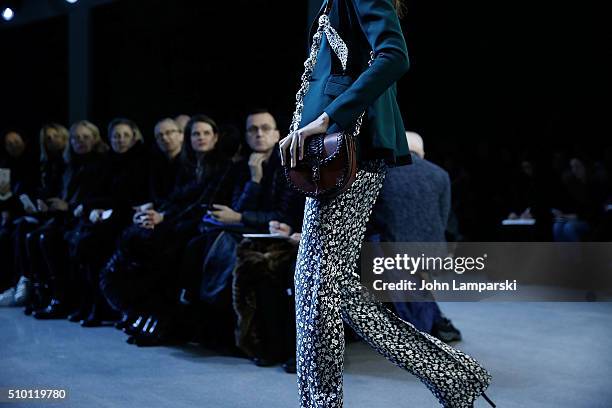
x=137, y=218
x=277, y=227
x=42, y=206
x=255, y=166
x=5, y=188
x=527, y=214
x=295, y=237
x=95, y=216
x=225, y=214
x=6, y=217
x=151, y=218
x=29, y=209
x=292, y=146
x=57, y=204
x=78, y=211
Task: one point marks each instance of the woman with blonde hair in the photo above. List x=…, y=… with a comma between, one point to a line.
x=53, y=141
x=122, y=185
x=83, y=157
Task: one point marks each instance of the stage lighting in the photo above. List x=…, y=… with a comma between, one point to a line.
x=71, y=1
x=8, y=14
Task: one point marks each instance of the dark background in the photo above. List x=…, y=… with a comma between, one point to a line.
x=490, y=81
x=495, y=70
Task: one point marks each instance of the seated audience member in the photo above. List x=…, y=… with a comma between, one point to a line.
x=581, y=205
x=167, y=170
x=18, y=175
x=139, y=280
x=53, y=142
x=529, y=197
x=262, y=295
x=53, y=285
x=260, y=194
x=165, y=160
x=413, y=206
x=123, y=184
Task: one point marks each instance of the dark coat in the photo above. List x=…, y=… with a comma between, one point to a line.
x=123, y=184
x=271, y=199
x=51, y=177
x=192, y=196
x=24, y=180
x=163, y=176
x=364, y=25
x=81, y=178
x=265, y=325
x=413, y=204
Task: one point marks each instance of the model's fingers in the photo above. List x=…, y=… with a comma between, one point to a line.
x=292, y=148
x=283, y=149
x=295, y=149
x=302, y=137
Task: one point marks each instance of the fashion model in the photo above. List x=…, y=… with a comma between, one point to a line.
x=345, y=79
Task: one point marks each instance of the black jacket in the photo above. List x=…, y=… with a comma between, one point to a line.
x=122, y=184
x=163, y=176
x=81, y=178
x=51, y=177
x=192, y=196
x=272, y=199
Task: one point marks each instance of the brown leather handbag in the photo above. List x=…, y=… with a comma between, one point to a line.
x=329, y=165
x=328, y=168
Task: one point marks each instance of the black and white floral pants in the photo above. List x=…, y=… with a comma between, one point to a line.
x=328, y=290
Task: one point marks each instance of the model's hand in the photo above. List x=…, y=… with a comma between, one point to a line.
x=293, y=145
x=225, y=214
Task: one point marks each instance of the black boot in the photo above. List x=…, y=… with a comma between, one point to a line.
x=126, y=320
x=77, y=315
x=158, y=333
x=39, y=299
x=136, y=326
x=92, y=319
x=55, y=310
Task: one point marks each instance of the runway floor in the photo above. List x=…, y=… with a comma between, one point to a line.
x=540, y=355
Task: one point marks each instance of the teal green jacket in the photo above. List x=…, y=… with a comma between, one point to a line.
x=364, y=25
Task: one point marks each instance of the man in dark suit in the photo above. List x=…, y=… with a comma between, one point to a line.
x=414, y=206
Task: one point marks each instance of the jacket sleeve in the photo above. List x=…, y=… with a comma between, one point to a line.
x=380, y=23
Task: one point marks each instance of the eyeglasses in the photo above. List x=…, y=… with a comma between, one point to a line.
x=166, y=133
x=265, y=129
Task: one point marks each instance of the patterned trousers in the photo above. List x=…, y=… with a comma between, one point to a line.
x=328, y=290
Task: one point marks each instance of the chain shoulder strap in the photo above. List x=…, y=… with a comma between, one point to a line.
x=340, y=49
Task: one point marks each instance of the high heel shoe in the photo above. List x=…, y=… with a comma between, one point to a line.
x=488, y=400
